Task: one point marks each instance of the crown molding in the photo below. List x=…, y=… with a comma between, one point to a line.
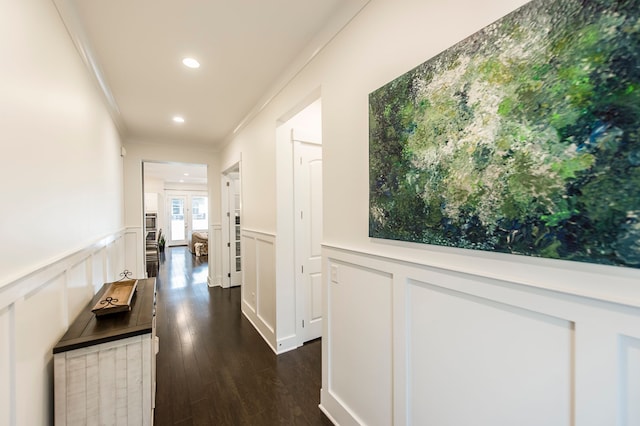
x=75, y=28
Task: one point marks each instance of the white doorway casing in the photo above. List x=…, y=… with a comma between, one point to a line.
x=232, y=227
x=303, y=123
x=194, y=219
x=307, y=166
x=162, y=181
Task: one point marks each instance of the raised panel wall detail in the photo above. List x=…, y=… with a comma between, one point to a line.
x=39, y=317
x=469, y=359
x=34, y=313
x=79, y=287
x=259, y=283
x=134, y=260
x=266, y=282
x=6, y=349
x=629, y=381
x=407, y=343
x=360, y=352
x=249, y=274
x=98, y=269
x=215, y=259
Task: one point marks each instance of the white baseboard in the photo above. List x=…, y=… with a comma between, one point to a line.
x=287, y=344
x=259, y=330
x=212, y=283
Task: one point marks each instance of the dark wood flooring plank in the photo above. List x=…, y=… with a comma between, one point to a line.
x=214, y=368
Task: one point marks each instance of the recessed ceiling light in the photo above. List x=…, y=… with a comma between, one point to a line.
x=186, y=174
x=178, y=119
x=191, y=63
x=181, y=180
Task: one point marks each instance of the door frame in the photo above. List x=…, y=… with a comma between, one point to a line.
x=289, y=312
x=230, y=278
x=188, y=196
x=162, y=193
x=305, y=329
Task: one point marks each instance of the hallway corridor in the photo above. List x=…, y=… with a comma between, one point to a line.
x=213, y=367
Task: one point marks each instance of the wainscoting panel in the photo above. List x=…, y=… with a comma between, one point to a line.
x=259, y=283
x=360, y=349
x=79, y=286
x=629, y=381
x=99, y=268
x=476, y=353
x=35, y=312
x=41, y=321
x=115, y=260
x=7, y=405
x=134, y=250
x=249, y=274
x=215, y=256
x=266, y=282
x=406, y=343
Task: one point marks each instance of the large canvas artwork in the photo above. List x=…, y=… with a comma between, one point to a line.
x=524, y=138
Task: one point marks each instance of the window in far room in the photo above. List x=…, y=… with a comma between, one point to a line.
x=199, y=213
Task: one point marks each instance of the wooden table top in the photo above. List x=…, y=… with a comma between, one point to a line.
x=88, y=330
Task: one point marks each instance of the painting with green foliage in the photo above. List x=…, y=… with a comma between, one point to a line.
x=523, y=138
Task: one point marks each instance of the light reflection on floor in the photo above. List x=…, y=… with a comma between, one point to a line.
x=178, y=278
x=200, y=275
x=184, y=268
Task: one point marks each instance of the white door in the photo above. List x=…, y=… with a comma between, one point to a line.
x=308, y=236
x=178, y=222
x=235, y=251
x=233, y=256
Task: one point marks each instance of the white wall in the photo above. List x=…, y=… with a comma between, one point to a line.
x=153, y=185
x=62, y=172
x=139, y=151
x=62, y=211
x=394, y=309
x=255, y=149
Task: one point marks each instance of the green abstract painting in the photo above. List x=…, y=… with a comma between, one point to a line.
x=524, y=138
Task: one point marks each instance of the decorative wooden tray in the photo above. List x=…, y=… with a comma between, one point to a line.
x=117, y=298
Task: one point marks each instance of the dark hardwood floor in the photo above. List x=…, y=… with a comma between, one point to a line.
x=213, y=367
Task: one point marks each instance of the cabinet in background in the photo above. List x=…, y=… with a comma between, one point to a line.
x=150, y=202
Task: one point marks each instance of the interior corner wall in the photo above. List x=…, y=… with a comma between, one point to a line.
x=139, y=151
x=62, y=213
x=387, y=304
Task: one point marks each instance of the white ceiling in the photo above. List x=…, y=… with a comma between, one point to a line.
x=248, y=49
x=176, y=172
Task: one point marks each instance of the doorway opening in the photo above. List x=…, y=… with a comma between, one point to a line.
x=232, y=227
x=176, y=196
x=188, y=217
x=299, y=224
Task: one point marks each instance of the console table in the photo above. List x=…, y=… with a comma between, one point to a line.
x=104, y=367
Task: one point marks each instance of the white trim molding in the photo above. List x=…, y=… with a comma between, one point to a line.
x=409, y=343
x=135, y=260
x=259, y=283
x=215, y=255
x=35, y=311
